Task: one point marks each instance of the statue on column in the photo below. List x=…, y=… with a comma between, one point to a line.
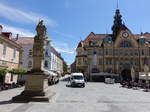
x=41, y=30
x=37, y=79
x=39, y=46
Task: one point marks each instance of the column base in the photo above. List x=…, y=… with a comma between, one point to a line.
x=36, y=89
x=31, y=98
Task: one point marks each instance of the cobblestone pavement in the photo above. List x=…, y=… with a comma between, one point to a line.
x=95, y=97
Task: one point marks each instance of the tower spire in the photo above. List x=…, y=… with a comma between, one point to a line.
x=117, y=22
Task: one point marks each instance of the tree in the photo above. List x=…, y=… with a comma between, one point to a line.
x=18, y=71
x=3, y=71
x=65, y=66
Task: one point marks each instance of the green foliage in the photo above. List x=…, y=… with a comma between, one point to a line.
x=3, y=71
x=65, y=66
x=18, y=71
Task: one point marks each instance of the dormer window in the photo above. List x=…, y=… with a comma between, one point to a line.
x=108, y=40
x=93, y=43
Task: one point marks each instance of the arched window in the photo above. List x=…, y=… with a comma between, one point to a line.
x=125, y=44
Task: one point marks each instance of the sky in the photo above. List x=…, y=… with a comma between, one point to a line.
x=69, y=21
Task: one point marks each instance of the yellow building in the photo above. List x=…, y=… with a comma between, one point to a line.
x=113, y=55
x=9, y=55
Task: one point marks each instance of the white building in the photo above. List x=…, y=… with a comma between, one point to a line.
x=52, y=61
x=56, y=60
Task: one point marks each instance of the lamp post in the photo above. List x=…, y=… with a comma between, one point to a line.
x=146, y=70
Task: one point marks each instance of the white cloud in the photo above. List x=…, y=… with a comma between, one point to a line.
x=20, y=16
x=63, y=48
x=16, y=30
x=64, y=35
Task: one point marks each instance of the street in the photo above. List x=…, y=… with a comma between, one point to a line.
x=95, y=97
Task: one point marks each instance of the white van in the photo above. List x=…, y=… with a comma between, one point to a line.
x=77, y=79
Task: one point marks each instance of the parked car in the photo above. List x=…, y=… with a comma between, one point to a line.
x=53, y=78
x=77, y=79
x=109, y=80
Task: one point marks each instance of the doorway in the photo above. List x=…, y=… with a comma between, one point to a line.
x=126, y=75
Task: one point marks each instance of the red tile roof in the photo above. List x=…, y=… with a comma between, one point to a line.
x=95, y=37
x=10, y=39
x=100, y=37
x=24, y=40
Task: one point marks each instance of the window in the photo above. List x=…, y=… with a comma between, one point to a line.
x=131, y=52
x=85, y=61
x=100, y=62
x=46, y=64
x=106, y=51
x=136, y=52
x=29, y=64
x=93, y=44
x=11, y=78
x=46, y=53
x=125, y=44
x=14, y=54
x=4, y=49
x=79, y=61
x=116, y=51
x=30, y=52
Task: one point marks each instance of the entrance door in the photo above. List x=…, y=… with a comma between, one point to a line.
x=126, y=75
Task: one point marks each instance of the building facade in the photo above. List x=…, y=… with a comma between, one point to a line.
x=9, y=55
x=52, y=60
x=113, y=55
x=56, y=61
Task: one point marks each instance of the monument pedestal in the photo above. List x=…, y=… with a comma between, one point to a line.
x=36, y=89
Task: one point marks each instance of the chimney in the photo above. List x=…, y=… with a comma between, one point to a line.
x=1, y=28
x=17, y=36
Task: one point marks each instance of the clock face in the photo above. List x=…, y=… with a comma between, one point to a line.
x=125, y=34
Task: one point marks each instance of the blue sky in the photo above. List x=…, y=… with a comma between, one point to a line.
x=69, y=21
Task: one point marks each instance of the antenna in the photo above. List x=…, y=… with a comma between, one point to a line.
x=117, y=4
x=106, y=31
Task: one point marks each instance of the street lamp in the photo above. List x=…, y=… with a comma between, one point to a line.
x=146, y=70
